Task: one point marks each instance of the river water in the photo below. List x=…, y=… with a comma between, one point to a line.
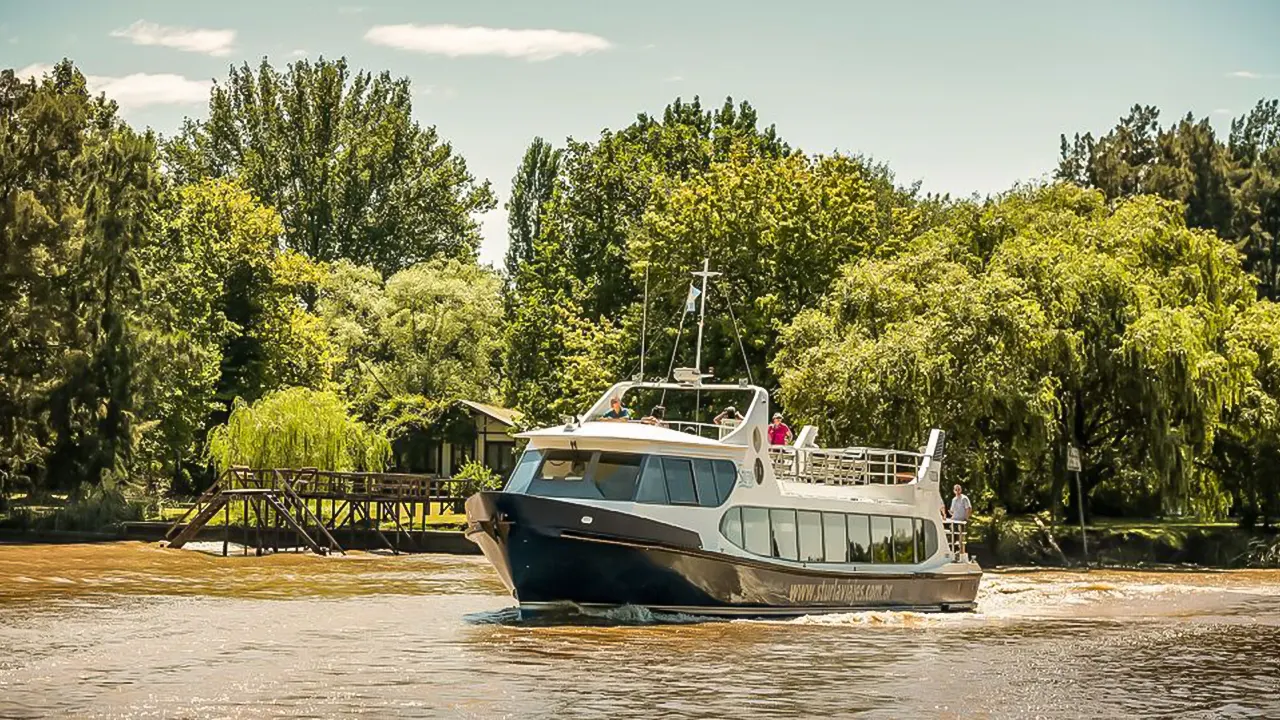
x=133, y=630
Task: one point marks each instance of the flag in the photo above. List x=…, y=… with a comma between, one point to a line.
x=692, y=303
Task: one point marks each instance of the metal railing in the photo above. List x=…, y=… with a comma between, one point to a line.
x=956, y=531
x=310, y=483
x=710, y=431
x=847, y=466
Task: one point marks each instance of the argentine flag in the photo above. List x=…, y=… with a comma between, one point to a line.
x=692, y=303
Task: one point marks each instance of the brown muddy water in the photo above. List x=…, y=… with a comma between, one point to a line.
x=133, y=630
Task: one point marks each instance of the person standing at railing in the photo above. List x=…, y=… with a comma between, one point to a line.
x=616, y=411
x=961, y=508
x=779, y=433
x=728, y=418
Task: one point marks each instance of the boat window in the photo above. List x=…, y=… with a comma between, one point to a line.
x=783, y=523
x=881, y=539
x=834, y=538
x=705, y=480
x=523, y=474
x=616, y=475
x=564, y=465
x=859, y=538
x=755, y=530
x=726, y=476
x=680, y=489
x=930, y=538
x=830, y=537
x=904, y=543
x=653, y=484
x=731, y=526
x=809, y=524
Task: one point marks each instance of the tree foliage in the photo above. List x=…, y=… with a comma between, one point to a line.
x=297, y=428
x=1229, y=187
x=1040, y=319
x=340, y=157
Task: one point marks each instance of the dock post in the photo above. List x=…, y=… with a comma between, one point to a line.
x=226, y=527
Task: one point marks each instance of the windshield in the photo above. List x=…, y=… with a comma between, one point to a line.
x=602, y=475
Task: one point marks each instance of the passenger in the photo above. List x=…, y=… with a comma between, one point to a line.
x=961, y=508
x=779, y=433
x=616, y=412
x=728, y=418
x=656, y=416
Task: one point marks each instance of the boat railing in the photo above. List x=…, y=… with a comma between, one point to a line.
x=710, y=431
x=845, y=466
x=956, y=530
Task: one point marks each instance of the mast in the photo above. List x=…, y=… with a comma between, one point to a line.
x=644, y=320
x=702, y=314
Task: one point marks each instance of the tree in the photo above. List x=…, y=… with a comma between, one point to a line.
x=1229, y=188
x=352, y=175
x=208, y=239
x=297, y=428
x=1040, y=319
x=531, y=189
x=77, y=187
x=779, y=229
x=427, y=336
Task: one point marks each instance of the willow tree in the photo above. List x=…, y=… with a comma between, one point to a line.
x=297, y=428
x=1042, y=319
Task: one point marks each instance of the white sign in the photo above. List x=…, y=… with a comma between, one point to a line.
x=1073, y=459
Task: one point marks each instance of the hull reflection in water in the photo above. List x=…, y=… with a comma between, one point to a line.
x=549, y=562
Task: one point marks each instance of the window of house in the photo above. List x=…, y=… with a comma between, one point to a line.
x=783, y=524
x=835, y=538
x=809, y=529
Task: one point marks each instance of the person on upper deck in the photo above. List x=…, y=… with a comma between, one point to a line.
x=656, y=416
x=616, y=412
x=961, y=508
x=779, y=433
x=728, y=418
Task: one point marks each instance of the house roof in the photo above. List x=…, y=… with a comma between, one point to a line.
x=506, y=416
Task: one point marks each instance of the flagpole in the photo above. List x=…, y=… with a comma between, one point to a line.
x=702, y=314
x=644, y=320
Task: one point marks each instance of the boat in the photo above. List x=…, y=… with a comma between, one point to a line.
x=681, y=515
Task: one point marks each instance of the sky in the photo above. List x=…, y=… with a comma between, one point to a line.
x=965, y=97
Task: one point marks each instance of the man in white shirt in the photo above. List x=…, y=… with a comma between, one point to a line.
x=961, y=508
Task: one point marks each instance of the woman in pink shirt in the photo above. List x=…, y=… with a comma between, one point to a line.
x=779, y=433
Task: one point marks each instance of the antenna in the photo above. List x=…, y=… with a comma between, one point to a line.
x=644, y=319
x=706, y=274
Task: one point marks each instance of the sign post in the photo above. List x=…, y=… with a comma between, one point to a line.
x=1073, y=465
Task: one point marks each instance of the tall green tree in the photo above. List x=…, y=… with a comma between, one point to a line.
x=531, y=189
x=340, y=157
x=76, y=189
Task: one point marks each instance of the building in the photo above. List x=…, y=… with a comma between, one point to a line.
x=465, y=431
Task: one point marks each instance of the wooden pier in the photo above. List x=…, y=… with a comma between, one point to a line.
x=276, y=503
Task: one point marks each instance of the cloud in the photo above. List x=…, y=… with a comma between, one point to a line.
x=143, y=89
x=200, y=40
x=298, y=53
x=674, y=79
x=1222, y=111
x=1249, y=75
x=456, y=41
x=34, y=71
x=138, y=90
